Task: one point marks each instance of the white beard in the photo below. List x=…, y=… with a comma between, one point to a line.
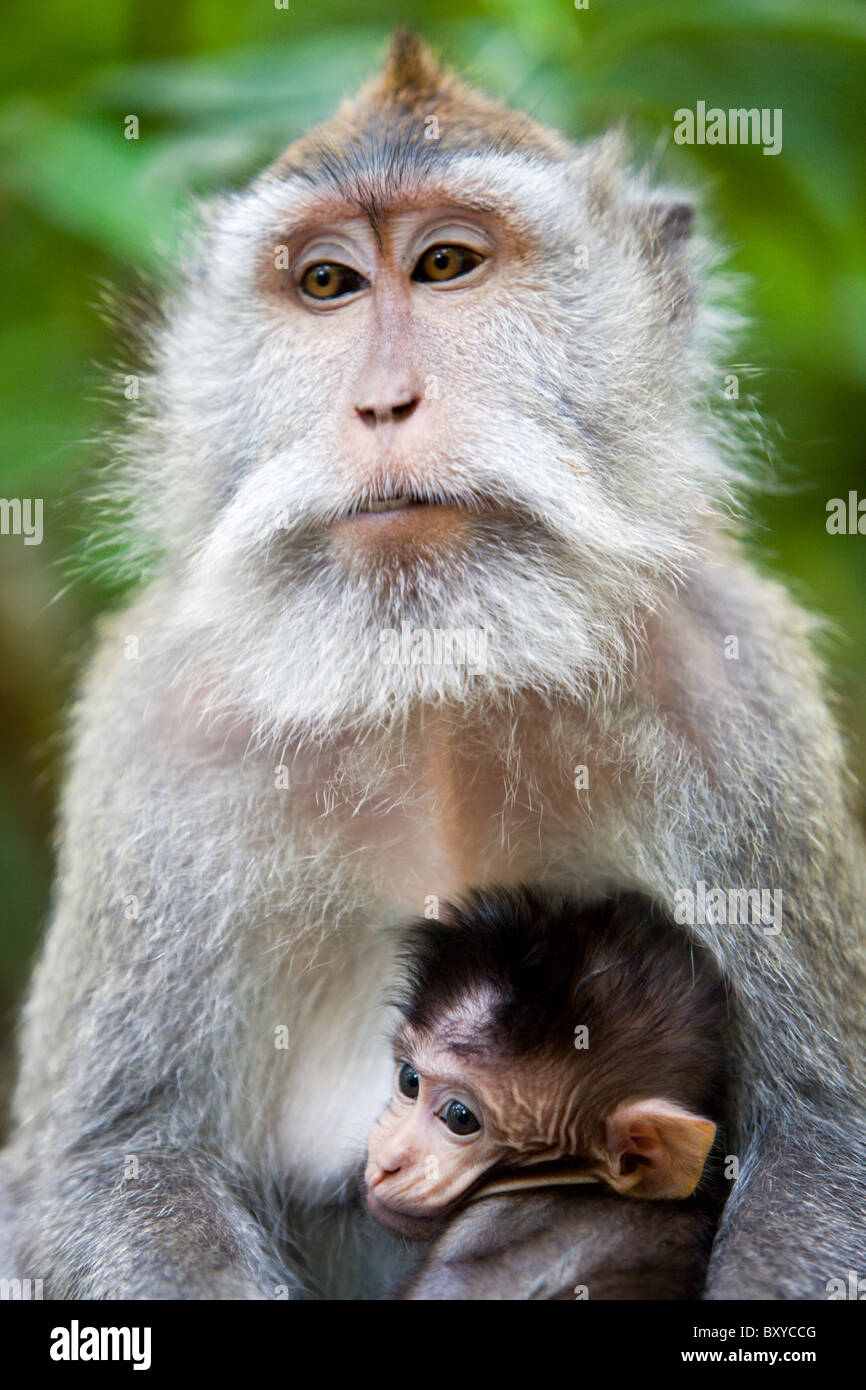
x=535, y=599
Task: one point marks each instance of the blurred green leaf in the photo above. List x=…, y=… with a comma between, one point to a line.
x=86, y=178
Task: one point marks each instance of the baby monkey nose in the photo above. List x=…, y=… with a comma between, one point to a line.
x=396, y=1156
x=395, y=1162
x=379, y=1174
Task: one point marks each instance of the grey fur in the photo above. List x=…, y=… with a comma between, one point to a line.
x=587, y=1246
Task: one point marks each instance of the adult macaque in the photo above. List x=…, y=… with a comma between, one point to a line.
x=388, y=396
x=541, y=1045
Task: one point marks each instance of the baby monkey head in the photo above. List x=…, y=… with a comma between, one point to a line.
x=543, y=1042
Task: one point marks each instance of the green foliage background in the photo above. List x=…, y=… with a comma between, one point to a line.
x=218, y=87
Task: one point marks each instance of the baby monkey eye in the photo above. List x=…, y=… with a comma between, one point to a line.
x=330, y=281
x=446, y=263
x=408, y=1081
x=459, y=1119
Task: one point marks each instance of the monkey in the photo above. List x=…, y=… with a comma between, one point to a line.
x=541, y=1045
x=439, y=549
x=554, y=1245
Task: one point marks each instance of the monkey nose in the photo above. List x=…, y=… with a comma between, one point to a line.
x=391, y=1164
x=389, y=409
x=380, y=1174
x=387, y=394
x=394, y=1160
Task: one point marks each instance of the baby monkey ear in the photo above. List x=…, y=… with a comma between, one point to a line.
x=654, y=1148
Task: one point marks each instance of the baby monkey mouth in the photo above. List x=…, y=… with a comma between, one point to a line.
x=411, y=1225
x=552, y=1173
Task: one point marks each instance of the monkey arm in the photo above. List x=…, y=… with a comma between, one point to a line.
x=172, y=1229
x=568, y=1246
x=796, y=1218
x=752, y=792
x=129, y=1184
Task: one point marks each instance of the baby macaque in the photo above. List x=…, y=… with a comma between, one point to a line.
x=543, y=1044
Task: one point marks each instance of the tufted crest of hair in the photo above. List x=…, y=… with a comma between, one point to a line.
x=576, y=400
x=508, y=975
x=378, y=141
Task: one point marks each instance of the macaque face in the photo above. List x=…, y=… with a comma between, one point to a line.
x=457, y=1122
x=434, y=1142
x=393, y=396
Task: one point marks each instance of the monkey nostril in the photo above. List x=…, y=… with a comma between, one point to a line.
x=405, y=409
x=382, y=1177
x=372, y=416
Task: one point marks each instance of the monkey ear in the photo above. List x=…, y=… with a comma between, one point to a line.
x=654, y=1148
x=665, y=223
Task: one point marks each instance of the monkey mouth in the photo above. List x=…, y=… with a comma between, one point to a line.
x=401, y=524
x=378, y=502
x=401, y=1223
x=553, y=1173
x=384, y=504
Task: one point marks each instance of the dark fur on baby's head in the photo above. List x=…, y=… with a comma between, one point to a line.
x=652, y=1001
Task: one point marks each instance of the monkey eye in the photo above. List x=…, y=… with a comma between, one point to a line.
x=459, y=1118
x=446, y=263
x=328, y=280
x=408, y=1081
